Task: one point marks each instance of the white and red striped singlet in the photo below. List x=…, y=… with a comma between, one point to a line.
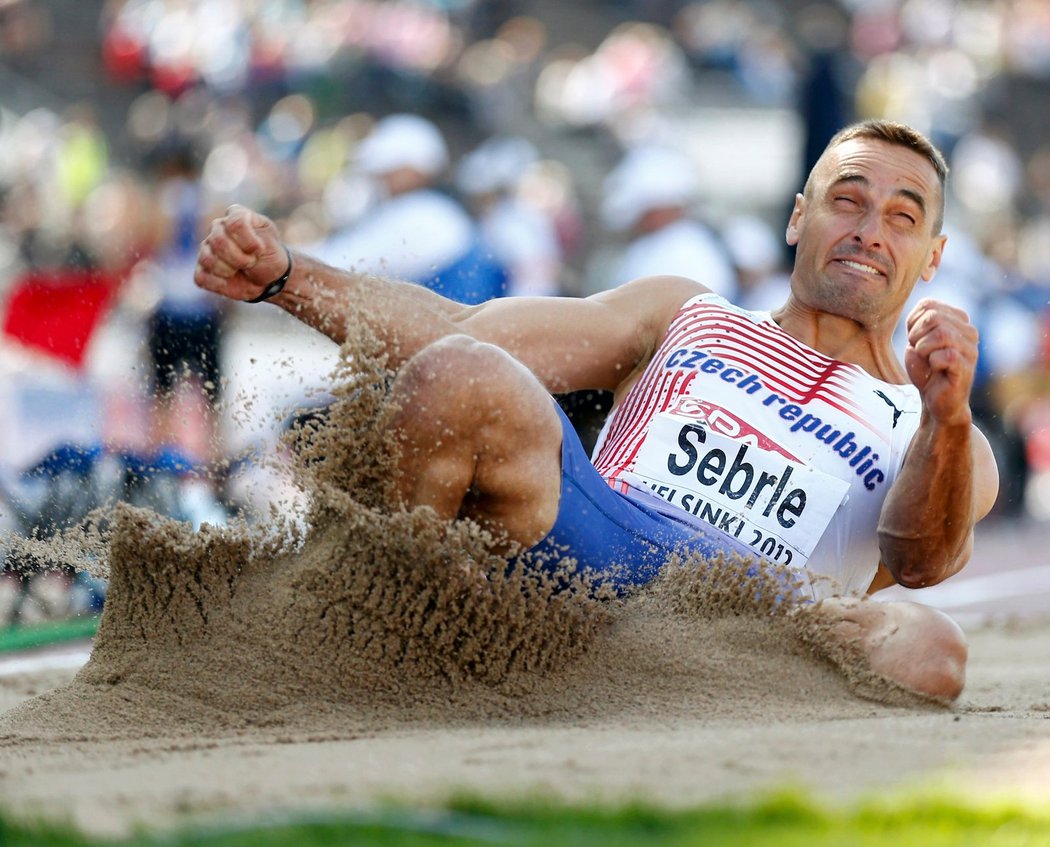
x=747, y=428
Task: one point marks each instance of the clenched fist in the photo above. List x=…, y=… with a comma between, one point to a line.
x=941, y=358
x=241, y=255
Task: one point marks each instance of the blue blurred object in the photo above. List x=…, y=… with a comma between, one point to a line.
x=72, y=458
x=473, y=278
x=72, y=480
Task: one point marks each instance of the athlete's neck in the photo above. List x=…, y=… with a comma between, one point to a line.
x=842, y=338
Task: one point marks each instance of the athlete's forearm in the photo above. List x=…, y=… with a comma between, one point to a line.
x=405, y=317
x=926, y=526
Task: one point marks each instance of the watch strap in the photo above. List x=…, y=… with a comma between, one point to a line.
x=274, y=288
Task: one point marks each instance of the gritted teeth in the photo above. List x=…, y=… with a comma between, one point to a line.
x=857, y=266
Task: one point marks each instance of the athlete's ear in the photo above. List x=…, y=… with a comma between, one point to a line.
x=933, y=260
x=791, y=236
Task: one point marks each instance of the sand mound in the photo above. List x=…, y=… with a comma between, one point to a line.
x=378, y=617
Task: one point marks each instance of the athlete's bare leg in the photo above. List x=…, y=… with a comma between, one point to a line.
x=480, y=438
x=914, y=645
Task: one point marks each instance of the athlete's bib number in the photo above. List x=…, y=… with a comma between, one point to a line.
x=778, y=507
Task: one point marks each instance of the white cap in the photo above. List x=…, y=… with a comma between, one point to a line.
x=752, y=243
x=403, y=141
x=647, y=178
x=495, y=165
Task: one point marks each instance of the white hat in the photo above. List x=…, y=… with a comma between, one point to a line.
x=403, y=141
x=495, y=165
x=647, y=178
x=752, y=243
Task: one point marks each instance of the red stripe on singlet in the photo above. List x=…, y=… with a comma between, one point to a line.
x=787, y=382
x=650, y=395
x=776, y=358
x=808, y=365
x=719, y=319
x=763, y=353
x=801, y=374
x=632, y=421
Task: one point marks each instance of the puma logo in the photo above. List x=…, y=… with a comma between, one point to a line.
x=892, y=405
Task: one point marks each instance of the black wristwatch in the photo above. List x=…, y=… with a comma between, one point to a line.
x=275, y=287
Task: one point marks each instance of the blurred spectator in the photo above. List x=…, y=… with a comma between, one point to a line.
x=414, y=231
x=636, y=75
x=24, y=27
x=987, y=176
x=498, y=74
x=185, y=328
x=827, y=84
x=522, y=238
x=748, y=41
x=650, y=196
x=758, y=255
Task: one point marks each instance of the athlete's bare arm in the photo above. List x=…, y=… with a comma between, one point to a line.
x=949, y=479
x=568, y=343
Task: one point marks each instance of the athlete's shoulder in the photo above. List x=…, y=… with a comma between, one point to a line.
x=713, y=305
x=644, y=308
x=659, y=298
x=666, y=290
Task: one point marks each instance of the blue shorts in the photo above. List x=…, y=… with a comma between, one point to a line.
x=622, y=539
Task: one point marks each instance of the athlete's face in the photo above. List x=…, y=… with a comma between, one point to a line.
x=864, y=231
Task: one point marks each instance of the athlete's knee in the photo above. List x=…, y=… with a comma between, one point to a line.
x=480, y=437
x=460, y=389
x=449, y=369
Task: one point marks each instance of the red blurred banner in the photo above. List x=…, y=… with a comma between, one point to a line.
x=58, y=311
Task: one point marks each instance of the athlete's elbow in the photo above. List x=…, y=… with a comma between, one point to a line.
x=922, y=568
x=918, y=577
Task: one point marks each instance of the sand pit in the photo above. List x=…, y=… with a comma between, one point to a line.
x=738, y=733
x=386, y=656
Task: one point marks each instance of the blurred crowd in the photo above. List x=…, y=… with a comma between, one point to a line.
x=474, y=147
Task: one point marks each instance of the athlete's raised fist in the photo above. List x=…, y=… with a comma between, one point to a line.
x=241, y=255
x=941, y=358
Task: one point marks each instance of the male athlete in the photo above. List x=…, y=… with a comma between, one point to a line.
x=796, y=436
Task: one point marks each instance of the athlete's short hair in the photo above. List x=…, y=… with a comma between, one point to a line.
x=902, y=135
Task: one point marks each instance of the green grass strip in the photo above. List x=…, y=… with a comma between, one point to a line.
x=785, y=820
x=44, y=634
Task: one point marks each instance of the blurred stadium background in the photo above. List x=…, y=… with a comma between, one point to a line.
x=126, y=124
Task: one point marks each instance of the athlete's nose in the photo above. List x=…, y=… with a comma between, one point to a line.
x=869, y=231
